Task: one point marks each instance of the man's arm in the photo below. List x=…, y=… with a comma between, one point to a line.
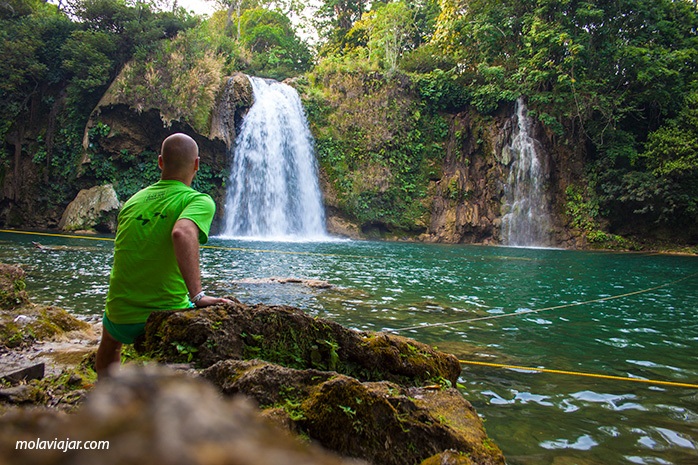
x=185, y=239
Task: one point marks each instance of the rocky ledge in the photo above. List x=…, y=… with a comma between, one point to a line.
x=255, y=384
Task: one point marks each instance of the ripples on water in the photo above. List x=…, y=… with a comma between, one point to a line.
x=536, y=418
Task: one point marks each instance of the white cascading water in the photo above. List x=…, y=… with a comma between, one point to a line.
x=273, y=191
x=525, y=220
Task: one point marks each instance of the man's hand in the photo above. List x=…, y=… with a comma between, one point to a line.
x=207, y=301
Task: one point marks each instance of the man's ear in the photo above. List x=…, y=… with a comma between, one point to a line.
x=196, y=164
x=160, y=162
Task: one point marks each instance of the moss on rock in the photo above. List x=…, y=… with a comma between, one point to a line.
x=289, y=337
x=22, y=322
x=449, y=457
x=12, y=285
x=381, y=422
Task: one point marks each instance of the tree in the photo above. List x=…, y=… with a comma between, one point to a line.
x=334, y=19
x=87, y=57
x=389, y=29
x=275, y=49
x=31, y=32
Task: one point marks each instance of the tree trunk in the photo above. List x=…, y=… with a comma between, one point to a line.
x=18, y=159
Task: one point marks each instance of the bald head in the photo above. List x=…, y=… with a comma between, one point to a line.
x=179, y=158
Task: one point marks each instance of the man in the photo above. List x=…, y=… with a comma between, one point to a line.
x=156, y=252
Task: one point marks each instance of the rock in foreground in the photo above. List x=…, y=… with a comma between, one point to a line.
x=381, y=422
x=383, y=398
x=154, y=416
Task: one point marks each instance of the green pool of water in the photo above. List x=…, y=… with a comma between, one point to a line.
x=536, y=418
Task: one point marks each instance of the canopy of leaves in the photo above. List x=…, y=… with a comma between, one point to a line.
x=56, y=64
x=274, y=49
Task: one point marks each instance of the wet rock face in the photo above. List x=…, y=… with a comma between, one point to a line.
x=232, y=106
x=154, y=416
x=96, y=208
x=381, y=422
x=289, y=337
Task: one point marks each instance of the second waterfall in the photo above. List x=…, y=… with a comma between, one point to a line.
x=526, y=220
x=273, y=191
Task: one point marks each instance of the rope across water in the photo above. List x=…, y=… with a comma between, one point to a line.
x=528, y=312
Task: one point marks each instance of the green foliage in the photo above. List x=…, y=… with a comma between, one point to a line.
x=181, y=78
x=185, y=350
x=334, y=19
x=276, y=50
x=672, y=150
x=207, y=181
x=379, y=156
x=583, y=213
x=86, y=56
x=388, y=29
x=128, y=173
x=30, y=41
x=618, y=72
x=55, y=69
x=442, y=90
x=671, y=153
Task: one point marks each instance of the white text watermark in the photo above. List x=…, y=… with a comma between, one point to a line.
x=61, y=444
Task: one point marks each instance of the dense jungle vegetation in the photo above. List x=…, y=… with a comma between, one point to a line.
x=619, y=78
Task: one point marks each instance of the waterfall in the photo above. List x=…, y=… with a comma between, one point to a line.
x=526, y=220
x=273, y=190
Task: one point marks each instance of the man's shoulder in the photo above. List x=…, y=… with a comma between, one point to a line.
x=201, y=199
x=140, y=195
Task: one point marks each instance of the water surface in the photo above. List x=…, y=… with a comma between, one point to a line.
x=536, y=418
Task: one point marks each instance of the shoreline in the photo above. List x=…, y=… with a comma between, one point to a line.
x=652, y=249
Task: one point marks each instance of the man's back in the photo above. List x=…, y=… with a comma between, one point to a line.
x=156, y=253
x=145, y=276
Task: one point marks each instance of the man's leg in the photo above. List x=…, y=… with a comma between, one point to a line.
x=109, y=352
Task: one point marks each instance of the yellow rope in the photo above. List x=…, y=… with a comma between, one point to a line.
x=576, y=373
x=68, y=236
x=239, y=249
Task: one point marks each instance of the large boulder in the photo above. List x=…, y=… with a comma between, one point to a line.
x=96, y=208
x=288, y=336
x=152, y=415
x=381, y=422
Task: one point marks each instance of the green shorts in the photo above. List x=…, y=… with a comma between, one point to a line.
x=125, y=334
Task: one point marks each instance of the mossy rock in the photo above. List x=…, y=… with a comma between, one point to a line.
x=12, y=287
x=22, y=322
x=150, y=415
x=29, y=323
x=63, y=391
x=289, y=337
x=381, y=422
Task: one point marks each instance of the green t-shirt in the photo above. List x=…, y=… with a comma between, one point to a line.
x=145, y=276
